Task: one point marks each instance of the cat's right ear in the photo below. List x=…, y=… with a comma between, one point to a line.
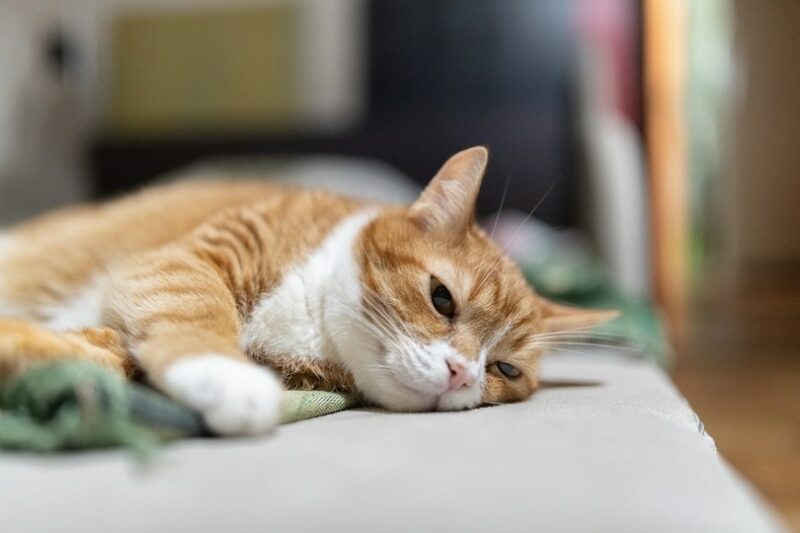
x=448, y=202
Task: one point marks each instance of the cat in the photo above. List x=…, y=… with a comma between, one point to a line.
x=221, y=294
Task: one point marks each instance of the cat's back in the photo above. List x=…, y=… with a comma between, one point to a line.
x=92, y=233
x=148, y=217
x=53, y=256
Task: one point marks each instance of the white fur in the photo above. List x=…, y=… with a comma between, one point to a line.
x=416, y=377
x=235, y=398
x=291, y=319
x=316, y=312
x=5, y=244
x=7, y=309
x=83, y=310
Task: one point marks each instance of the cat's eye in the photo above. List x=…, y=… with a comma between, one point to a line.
x=441, y=299
x=509, y=371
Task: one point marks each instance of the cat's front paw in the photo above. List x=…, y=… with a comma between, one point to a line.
x=234, y=397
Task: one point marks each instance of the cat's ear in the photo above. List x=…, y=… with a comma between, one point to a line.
x=448, y=202
x=558, y=317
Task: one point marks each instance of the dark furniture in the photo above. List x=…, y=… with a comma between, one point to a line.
x=442, y=75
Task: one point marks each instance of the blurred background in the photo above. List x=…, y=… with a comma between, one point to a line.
x=653, y=141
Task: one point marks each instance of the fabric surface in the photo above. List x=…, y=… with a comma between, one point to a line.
x=66, y=406
x=74, y=405
x=584, y=283
x=606, y=445
x=301, y=405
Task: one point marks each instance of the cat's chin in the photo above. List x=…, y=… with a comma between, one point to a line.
x=383, y=384
x=405, y=398
x=458, y=400
x=398, y=396
x=389, y=392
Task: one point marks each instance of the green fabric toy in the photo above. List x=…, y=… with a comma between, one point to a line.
x=76, y=405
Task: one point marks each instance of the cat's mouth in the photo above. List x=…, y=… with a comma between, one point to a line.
x=418, y=397
x=402, y=385
x=444, y=399
x=404, y=396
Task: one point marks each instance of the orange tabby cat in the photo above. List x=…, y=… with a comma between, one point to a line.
x=413, y=306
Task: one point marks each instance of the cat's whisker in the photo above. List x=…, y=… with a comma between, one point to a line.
x=588, y=344
x=375, y=328
x=566, y=330
x=382, y=320
x=292, y=267
x=381, y=327
x=367, y=327
x=535, y=207
x=379, y=314
x=519, y=228
x=585, y=335
x=617, y=340
x=502, y=203
x=568, y=350
x=374, y=299
x=570, y=331
x=377, y=304
x=577, y=338
x=377, y=367
x=583, y=330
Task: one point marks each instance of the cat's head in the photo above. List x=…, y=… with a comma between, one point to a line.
x=451, y=321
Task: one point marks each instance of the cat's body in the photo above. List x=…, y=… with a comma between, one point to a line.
x=195, y=281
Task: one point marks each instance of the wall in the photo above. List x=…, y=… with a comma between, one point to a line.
x=762, y=195
x=46, y=123
x=44, y=116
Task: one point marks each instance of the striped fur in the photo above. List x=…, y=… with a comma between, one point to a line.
x=196, y=282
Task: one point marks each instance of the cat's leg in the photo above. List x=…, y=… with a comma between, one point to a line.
x=23, y=344
x=182, y=325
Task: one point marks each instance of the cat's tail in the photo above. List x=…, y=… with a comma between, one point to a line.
x=24, y=344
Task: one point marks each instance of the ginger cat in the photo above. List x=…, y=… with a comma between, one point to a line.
x=223, y=293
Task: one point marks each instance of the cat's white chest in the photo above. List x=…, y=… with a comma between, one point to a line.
x=285, y=321
x=290, y=320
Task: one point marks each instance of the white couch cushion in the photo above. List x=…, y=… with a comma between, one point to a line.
x=622, y=452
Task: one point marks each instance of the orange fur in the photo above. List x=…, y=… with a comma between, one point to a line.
x=491, y=296
x=183, y=265
x=23, y=344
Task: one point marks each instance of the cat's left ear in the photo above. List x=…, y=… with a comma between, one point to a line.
x=448, y=202
x=558, y=317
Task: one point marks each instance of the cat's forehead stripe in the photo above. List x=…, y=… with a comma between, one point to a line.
x=458, y=277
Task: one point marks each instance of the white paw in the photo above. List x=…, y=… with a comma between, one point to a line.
x=234, y=397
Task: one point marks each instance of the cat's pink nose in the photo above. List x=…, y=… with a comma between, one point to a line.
x=460, y=374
